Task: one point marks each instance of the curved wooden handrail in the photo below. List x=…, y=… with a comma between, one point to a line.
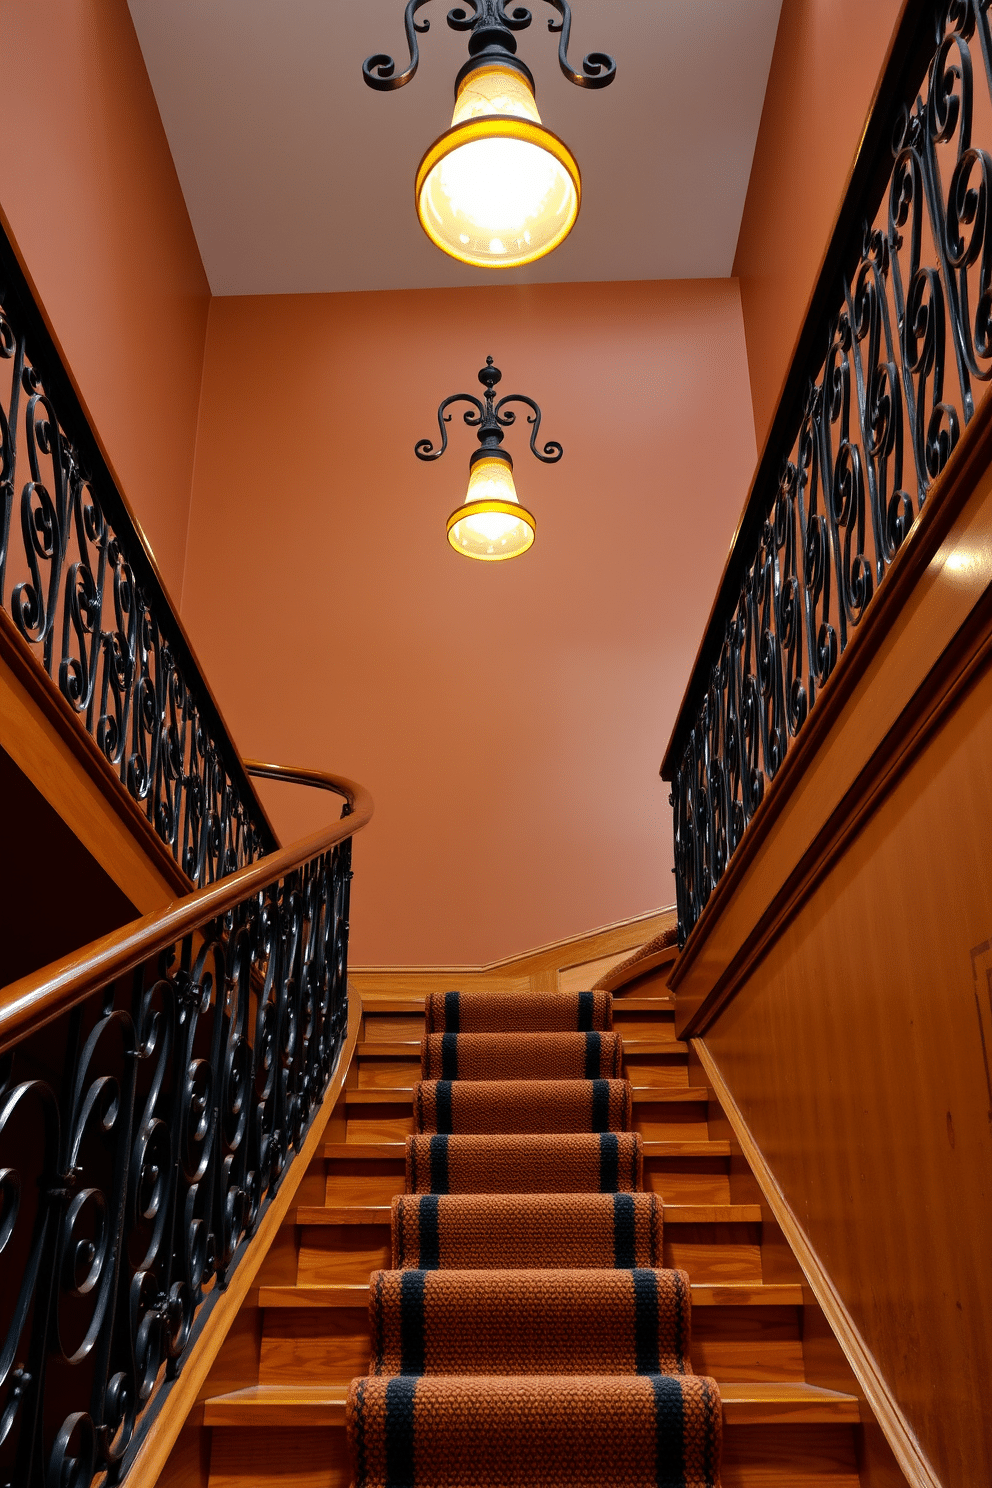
x=35, y=1000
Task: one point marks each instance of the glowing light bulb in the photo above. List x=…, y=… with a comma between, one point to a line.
x=497, y=189
x=492, y=525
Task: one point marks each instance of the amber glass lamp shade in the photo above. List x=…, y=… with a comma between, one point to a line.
x=492, y=525
x=497, y=189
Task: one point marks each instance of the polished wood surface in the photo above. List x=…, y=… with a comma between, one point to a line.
x=45, y=865
x=841, y=996
x=281, y=1421
x=929, y=628
x=564, y=965
x=44, y=739
x=37, y=999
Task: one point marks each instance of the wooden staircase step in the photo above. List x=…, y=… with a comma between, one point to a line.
x=357, y=1295
x=383, y=1002
x=298, y=1406
x=410, y=1048
x=789, y=1403
x=364, y=1151
x=664, y=1003
x=402, y=1095
x=335, y=1214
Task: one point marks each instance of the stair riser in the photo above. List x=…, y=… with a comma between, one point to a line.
x=734, y=1344
x=709, y=1252
x=792, y=1456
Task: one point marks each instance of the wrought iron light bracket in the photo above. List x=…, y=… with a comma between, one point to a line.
x=490, y=418
x=491, y=41
x=491, y=524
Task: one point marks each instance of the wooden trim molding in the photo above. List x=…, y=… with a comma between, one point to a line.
x=40, y=732
x=573, y=950
x=902, y=670
x=957, y=667
x=661, y=951
x=885, y=1408
x=165, y=1429
x=41, y=997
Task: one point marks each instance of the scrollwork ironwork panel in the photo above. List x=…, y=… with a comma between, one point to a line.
x=888, y=377
x=142, y=1137
x=76, y=581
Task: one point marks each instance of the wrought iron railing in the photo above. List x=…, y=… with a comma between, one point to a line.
x=891, y=363
x=154, y=1089
x=87, y=600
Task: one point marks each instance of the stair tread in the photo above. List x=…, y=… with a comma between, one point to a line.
x=398, y=1095
x=324, y=1404
x=318, y=1214
x=410, y=1048
x=391, y=1150
x=355, y=1294
x=664, y=1003
x=389, y=1002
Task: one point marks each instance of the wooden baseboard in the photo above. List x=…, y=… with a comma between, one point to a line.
x=618, y=939
x=164, y=1431
x=893, y=1423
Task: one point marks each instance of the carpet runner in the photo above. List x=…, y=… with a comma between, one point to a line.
x=540, y=1106
x=521, y=1056
x=530, y=1322
x=527, y=1334
x=587, y=1231
x=518, y=1012
x=569, y=1162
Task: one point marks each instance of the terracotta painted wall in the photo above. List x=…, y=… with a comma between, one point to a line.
x=827, y=59
x=509, y=719
x=90, y=195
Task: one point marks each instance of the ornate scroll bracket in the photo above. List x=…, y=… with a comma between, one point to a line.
x=492, y=28
x=490, y=418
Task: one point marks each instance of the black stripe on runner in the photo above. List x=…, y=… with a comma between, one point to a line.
x=600, y=1105
x=669, y=1426
x=400, y=1236
x=399, y=1432
x=585, y=1012
x=412, y=1322
x=429, y=1235
x=609, y=1162
x=439, y=1165
x=681, y=1305
x=451, y=1012
x=592, y=1056
x=442, y=1103
x=646, y=1321
x=449, y=1056
x=623, y=1231
x=635, y=1148
x=360, y=1434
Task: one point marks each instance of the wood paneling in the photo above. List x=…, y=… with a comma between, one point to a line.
x=49, y=746
x=842, y=989
x=538, y=970
x=44, y=865
x=289, y=1457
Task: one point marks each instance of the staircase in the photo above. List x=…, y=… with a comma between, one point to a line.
x=747, y=1324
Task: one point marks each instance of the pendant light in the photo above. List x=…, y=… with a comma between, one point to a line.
x=491, y=524
x=497, y=189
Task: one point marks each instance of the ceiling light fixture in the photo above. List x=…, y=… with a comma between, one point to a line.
x=491, y=525
x=497, y=189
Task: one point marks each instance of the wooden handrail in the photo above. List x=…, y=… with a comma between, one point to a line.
x=35, y=1000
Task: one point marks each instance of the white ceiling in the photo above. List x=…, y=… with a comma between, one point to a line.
x=299, y=178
